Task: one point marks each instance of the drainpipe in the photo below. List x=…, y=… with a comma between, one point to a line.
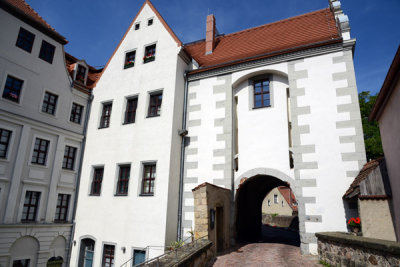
x=182, y=133
x=78, y=178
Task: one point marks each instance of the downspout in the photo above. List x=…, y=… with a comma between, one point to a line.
x=78, y=178
x=182, y=133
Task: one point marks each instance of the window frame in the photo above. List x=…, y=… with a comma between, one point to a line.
x=124, y=173
x=20, y=90
x=132, y=64
x=24, y=40
x=21, y=259
x=78, y=74
x=104, y=116
x=45, y=50
x=144, y=179
x=95, y=181
x=39, y=151
x=67, y=158
x=48, y=103
x=276, y=200
x=137, y=26
x=8, y=144
x=73, y=113
x=103, y=256
x=138, y=249
x=129, y=113
x=262, y=93
x=157, y=105
x=36, y=207
x=59, y=208
x=147, y=58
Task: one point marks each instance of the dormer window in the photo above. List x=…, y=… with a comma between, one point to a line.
x=149, y=53
x=130, y=59
x=80, y=74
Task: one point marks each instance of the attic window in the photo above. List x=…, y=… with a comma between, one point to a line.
x=137, y=26
x=129, y=59
x=149, y=53
x=81, y=74
x=150, y=22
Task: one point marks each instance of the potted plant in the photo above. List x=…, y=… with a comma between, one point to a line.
x=355, y=224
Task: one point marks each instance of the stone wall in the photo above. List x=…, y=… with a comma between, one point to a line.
x=343, y=249
x=281, y=221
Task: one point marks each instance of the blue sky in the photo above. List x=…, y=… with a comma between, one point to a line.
x=94, y=27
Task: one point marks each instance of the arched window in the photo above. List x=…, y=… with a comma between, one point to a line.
x=86, y=253
x=55, y=262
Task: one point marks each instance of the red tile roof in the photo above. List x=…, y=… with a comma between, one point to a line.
x=287, y=193
x=25, y=12
x=362, y=175
x=309, y=30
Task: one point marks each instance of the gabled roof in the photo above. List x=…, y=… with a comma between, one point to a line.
x=392, y=77
x=171, y=32
x=288, y=195
x=309, y=30
x=26, y=13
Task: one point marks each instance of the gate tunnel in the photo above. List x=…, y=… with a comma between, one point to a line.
x=249, y=198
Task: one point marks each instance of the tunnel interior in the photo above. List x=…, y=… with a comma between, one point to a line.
x=249, y=198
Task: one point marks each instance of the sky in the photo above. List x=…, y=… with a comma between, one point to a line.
x=95, y=27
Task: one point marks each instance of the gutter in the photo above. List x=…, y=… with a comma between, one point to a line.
x=78, y=178
x=182, y=133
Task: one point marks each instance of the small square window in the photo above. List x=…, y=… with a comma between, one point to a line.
x=130, y=113
x=105, y=116
x=62, y=207
x=76, y=113
x=49, y=103
x=129, y=59
x=261, y=94
x=149, y=53
x=155, y=104
x=31, y=205
x=96, y=182
x=12, y=89
x=25, y=40
x=69, y=157
x=150, y=22
x=137, y=26
x=5, y=136
x=149, y=177
x=40, y=151
x=81, y=74
x=47, y=52
x=123, y=180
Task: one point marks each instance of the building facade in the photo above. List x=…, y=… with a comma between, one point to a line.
x=280, y=201
x=42, y=118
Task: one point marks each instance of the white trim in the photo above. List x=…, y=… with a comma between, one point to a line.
x=149, y=93
x=22, y=91
x=35, y=188
x=55, y=115
x=70, y=111
x=97, y=166
x=141, y=175
x=124, y=59
x=70, y=204
x=102, y=103
x=126, y=98
x=117, y=170
x=11, y=141
x=33, y=141
x=76, y=159
x=144, y=51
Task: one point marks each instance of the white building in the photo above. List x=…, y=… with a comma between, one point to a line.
x=263, y=107
x=42, y=118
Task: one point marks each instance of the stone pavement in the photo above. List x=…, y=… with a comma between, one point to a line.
x=270, y=251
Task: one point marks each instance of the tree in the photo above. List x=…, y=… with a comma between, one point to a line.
x=372, y=136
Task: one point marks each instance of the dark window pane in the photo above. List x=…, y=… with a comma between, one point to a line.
x=76, y=113
x=149, y=53
x=105, y=117
x=261, y=94
x=96, y=182
x=130, y=59
x=40, y=151
x=130, y=113
x=47, y=52
x=69, y=157
x=155, y=104
x=62, y=207
x=25, y=40
x=123, y=180
x=5, y=136
x=49, y=103
x=12, y=89
x=80, y=74
x=108, y=256
x=31, y=205
x=149, y=176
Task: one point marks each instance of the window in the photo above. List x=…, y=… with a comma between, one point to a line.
x=21, y=263
x=130, y=113
x=282, y=203
x=129, y=59
x=155, y=104
x=261, y=94
x=31, y=206
x=269, y=202
x=149, y=176
x=97, y=180
x=108, y=256
x=139, y=256
x=49, y=103
x=12, y=89
x=47, y=52
x=276, y=199
x=69, y=157
x=291, y=160
x=25, y=40
x=5, y=136
x=76, y=113
x=105, y=116
x=40, y=151
x=123, y=180
x=80, y=74
x=137, y=26
x=150, y=22
x=149, y=53
x=62, y=207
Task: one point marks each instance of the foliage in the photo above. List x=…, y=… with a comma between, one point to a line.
x=325, y=263
x=372, y=137
x=354, y=222
x=176, y=244
x=274, y=215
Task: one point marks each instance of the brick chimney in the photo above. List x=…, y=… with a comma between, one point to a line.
x=210, y=34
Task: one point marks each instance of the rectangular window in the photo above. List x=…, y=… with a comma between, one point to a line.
x=150, y=22
x=21, y=263
x=105, y=116
x=130, y=59
x=269, y=202
x=149, y=177
x=31, y=206
x=40, y=151
x=49, y=103
x=12, y=89
x=108, y=256
x=261, y=94
x=130, y=113
x=47, y=52
x=139, y=256
x=80, y=74
x=275, y=199
x=149, y=53
x=5, y=136
x=69, y=157
x=155, y=104
x=96, y=182
x=25, y=40
x=123, y=180
x=137, y=26
x=76, y=113
x=62, y=207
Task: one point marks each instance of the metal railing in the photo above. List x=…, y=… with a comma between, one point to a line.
x=169, y=257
